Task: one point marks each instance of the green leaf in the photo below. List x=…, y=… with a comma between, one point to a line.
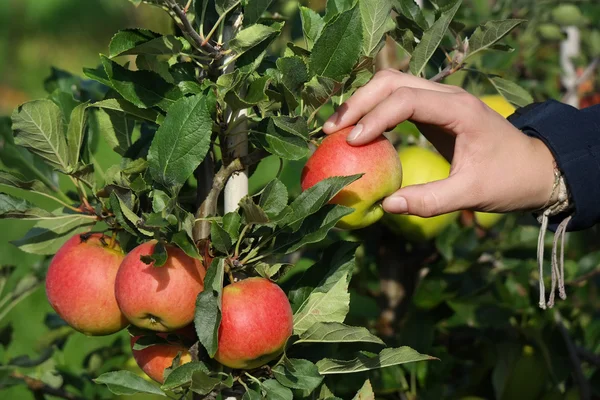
x=251, y=36
x=314, y=198
x=336, y=7
x=252, y=395
x=375, y=15
x=387, y=358
x=254, y=9
x=405, y=39
x=313, y=229
x=208, y=307
x=298, y=374
x=158, y=65
x=126, y=107
x=182, y=375
x=75, y=132
x=485, y=36
x=269, y=271
x=335, y=332
x=432, y=38
x=511, y=91
x=319, y=90
x=127, y=383
x=39, y=126
x=330, y=306
x=115, y=127
x=65, y=101
x=126, y=217
x=182, y=240
x=182, y=141
x=49, y=234
x=144, y=89
x=337, y=50
x=275, y=391
x=365, y=392
x=312, y=25
x=159, y=255
x=223, y=6
x=203, y=383
x=274, y=198
x=219, y=238
x=411, y=10
x=19, y=182
x=279, y=142
x=143, y=41
x=253, y=214
x=231, y=223
x=294, y=72
x=12, y=207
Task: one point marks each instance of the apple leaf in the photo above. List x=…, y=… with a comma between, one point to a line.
x=182, y=141
x=485, y=36
x=252, y=395
x=12, y=207
x=365, y=392
x=208, y=307
x=363, y=362
x=276, y=391
x=432, y=38
x=411, y=10
x=126, y=217
x=298, y=374
x=280, y=142
x=143, y=41
x=204, y=383
x=337, y=49
x=39, y=126
x=335, y=332
x=220, y=238
x=182, y=375
x=512, y=92
x=252, y=212
x=127, y=383
x=75, y=132
x=336, y=7
x=15, y=180
x=313, y=199
x=274, y=198
x=324, y=306
x=144, y=89
x=312, y=25
x=231, y=223
x=250, y=37
x=319, y=90
x=182, y=240
x=294, y=73
x=115, y=127
x=254, y=9
x=375, y=16
x=124, y=106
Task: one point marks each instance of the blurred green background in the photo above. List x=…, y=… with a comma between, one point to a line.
x=467, y=297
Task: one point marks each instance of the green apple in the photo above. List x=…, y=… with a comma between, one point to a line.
x=420, y=165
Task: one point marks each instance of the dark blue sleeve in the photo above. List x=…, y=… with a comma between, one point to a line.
x=573, y=137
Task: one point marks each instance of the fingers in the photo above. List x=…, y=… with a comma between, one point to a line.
x=383, y=84
x=431, y=199
x=442, y=109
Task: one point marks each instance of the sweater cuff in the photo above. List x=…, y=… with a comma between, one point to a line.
x=574, y=140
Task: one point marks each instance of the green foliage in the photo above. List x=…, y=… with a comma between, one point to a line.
x=166, y=106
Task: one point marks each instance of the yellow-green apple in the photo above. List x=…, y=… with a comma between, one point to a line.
x=154, y=359
x=487, y=220
x=256, y=323
x=379, y=163
x=420, y=165
x=499, y=104
x=159, y=298
x=80, y=284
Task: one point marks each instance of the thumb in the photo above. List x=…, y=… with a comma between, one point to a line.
x=430, y=199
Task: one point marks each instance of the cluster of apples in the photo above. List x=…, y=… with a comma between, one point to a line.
x=98, y=290
x=385, y=171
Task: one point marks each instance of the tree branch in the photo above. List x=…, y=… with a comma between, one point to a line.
x=579, y=377
x=209, y=205
x=37, y=386
x=187, y=28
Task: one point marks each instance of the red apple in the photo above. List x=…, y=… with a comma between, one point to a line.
x=159, y=298
x=379, y=163
x=153, y=360
x=80, y=284
x=256, y=322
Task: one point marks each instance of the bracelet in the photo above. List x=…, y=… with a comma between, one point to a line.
x=559, y=200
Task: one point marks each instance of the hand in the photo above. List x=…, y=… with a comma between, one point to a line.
x=495, y=167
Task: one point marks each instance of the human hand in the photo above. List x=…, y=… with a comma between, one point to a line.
x=495, y=167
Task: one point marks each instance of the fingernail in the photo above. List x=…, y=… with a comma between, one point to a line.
x=396, y=205
x=331, y=121
x=354, y=133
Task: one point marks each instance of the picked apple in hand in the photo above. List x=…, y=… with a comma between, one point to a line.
x=80, y=284
x=377, y=160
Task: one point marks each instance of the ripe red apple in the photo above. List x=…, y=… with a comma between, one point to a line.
x=378, y=161
x=80, y=284
x=159, y=298
x=153, y=360
x=256, y=322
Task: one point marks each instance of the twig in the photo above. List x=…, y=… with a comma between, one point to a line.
x=587, y=73
x=189, y=30
x=209, y=205
x=588, y=357
x=449, y=70
x=580, y=379
x=584, y=277
x=37, y=386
